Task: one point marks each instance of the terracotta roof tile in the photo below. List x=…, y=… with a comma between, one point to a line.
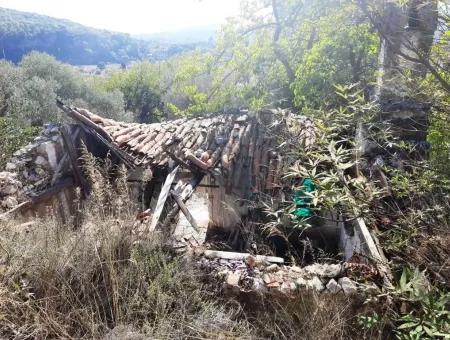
x=229, y=139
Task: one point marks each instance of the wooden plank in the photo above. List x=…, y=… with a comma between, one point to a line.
x=78, y=116
x=185, y=210
x=374, y=252
x=186, y=193
x=228, y=255
x=162, y=198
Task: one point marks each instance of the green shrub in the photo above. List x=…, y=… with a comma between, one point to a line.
x=13, y=136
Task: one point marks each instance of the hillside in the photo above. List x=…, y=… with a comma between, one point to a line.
x=22, y=32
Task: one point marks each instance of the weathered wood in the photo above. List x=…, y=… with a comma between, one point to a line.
x=227, y=255
x=374, y=252
x=78, y=116
x=162, y=198
x=59, y=168
x=64, y=159
x=79, y=178
x=186, y=193
x=185, y=210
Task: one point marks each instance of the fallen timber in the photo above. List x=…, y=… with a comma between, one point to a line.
x=218, y=159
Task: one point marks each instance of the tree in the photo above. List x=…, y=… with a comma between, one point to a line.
x=10, y=80
x=291, y=53
x=140, y=88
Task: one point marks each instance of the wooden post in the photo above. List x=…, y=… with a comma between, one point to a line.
x=79, y=178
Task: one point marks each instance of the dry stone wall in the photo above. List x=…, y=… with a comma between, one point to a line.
x=248, y=276
x=32, y=169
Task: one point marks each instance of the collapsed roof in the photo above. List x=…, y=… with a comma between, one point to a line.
x=243, y=145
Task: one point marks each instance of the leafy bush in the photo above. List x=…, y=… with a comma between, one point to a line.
x=13, y=136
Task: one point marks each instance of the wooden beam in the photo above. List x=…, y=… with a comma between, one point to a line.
x=97, y=131
x=185, y=210
x=162, y=198
x=375, y=253
x=79, y=178
x=228, y=255
x=187, y=192
x=79, y=117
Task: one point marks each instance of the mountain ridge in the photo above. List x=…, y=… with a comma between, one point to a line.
x=74, y=43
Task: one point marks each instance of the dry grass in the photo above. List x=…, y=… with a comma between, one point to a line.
x=102, y=281
x=57, y=283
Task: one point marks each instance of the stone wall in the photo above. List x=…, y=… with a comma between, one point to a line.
x=237, y=276
x=33, y=169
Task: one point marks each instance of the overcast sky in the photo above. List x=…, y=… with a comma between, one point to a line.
x=133, y=16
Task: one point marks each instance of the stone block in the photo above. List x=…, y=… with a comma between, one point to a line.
x=324, y=270
x=348, y=286
x=233, y=278
x=333, y=286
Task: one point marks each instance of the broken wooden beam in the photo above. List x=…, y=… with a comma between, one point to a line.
x=185, y=210
x=373, y=252
x=186, y=193
x=79, y=117
x=228, y=255
x=162, y=198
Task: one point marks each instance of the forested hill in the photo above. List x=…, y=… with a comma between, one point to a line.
x=22, y=32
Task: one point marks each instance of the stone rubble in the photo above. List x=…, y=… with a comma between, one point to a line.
x=10, y=190
x=238, y=276
x=333, y=287
x=31, y=168
x=348, y=286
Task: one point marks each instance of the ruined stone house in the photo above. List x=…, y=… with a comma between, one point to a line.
x=195, y=176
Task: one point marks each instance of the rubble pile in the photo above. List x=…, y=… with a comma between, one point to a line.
x=34, y=165
x=10, y=191
x=252, y=276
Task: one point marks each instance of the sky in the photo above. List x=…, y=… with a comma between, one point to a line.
x=133, y=16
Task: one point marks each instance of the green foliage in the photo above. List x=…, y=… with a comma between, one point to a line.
x=369, y=322
x=140, y=88
x=13, y=136
x=328, y=161
x=345, y=52
x=429, y=316
x=29, y=91
x=47, y=68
